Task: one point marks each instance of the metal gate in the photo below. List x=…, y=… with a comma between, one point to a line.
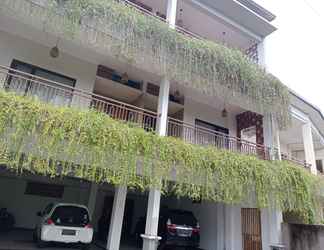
x=251, y=229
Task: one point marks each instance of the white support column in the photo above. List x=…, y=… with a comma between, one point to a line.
x=262, y=54
x=117, y=216
x=220, y=226
x=92, y=198
x=271, y=223
x=268, y=134
x=233, y=228
x=163, y=107
x=309, y=147
x=172, y=13
x=277, y=144
x=150, y=238
x=271, y=219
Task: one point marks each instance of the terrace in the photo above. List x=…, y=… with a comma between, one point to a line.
x=59, y=94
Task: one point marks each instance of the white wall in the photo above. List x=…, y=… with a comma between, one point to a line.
x=24, y=207
x=284, y=148
x=194, y=110
x=12, y=47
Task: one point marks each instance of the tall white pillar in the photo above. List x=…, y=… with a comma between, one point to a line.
x=309, y=147
x=92, y=198
x=172, y=13
x=163, y=107
x=233, y=228
x=268, y=133
x=262, y=54
x=271, y=223
x=220, y=226
x=277, y=144
x=117, y=216
x=150, y=238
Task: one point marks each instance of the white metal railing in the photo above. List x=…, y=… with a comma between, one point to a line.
x=59, y=94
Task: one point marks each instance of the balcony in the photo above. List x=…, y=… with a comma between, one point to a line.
x=251, y=51
x=59, y=94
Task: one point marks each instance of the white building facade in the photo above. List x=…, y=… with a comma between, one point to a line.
x=26, y=47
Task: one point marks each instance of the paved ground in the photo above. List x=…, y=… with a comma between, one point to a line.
x=23, y=240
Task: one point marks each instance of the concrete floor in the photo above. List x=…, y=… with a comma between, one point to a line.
x=23, y=240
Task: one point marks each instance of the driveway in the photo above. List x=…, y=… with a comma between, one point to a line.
x=23, y=240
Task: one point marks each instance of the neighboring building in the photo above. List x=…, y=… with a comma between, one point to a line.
x=137, y=93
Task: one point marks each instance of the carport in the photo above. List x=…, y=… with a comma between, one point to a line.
x=113, y=209
x=25, y=194
x=30, y=193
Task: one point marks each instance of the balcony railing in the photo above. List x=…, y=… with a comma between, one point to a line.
x=296, y=161
x=203, y=136
x=62, y=95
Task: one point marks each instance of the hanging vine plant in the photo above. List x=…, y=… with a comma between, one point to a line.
x=43, y=139
x=121, y=31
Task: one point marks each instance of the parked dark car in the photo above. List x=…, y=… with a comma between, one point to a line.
x=178, y=228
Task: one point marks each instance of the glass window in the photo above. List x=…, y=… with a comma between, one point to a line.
x=180, y=217
x=70, y=216
x=47, y=91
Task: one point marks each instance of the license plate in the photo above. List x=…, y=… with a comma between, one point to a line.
x=184, y=232
x=68, y=232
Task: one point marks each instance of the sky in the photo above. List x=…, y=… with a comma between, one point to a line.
x=295, y=52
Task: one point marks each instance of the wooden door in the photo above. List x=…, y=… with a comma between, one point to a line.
x=251, y=229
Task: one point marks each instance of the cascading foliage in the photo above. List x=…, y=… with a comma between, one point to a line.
x=47, y=140
x=121, y=31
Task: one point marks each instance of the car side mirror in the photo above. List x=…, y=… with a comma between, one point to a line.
x=39, y=214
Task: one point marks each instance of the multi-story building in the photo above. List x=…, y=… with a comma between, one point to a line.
x=98, y=60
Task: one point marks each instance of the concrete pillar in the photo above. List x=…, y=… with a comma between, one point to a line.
x=233, y=228
x=220, y=226
x=268, y=131
x=277, y=145
x=262, y=54
x=162, y=120
x=116, y=222
x=171, y=16
x=309, y=147
x=92, y=198
x=271, y=223
x=150, y=238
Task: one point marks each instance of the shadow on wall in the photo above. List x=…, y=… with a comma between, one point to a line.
x=303, y=237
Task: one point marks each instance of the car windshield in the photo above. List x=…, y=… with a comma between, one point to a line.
x=179, y=217
x=70, y=216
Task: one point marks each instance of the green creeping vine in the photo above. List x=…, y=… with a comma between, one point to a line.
x=120, y=31
x=47, y=140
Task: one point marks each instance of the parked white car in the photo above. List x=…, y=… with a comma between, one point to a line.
x=64, y=223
